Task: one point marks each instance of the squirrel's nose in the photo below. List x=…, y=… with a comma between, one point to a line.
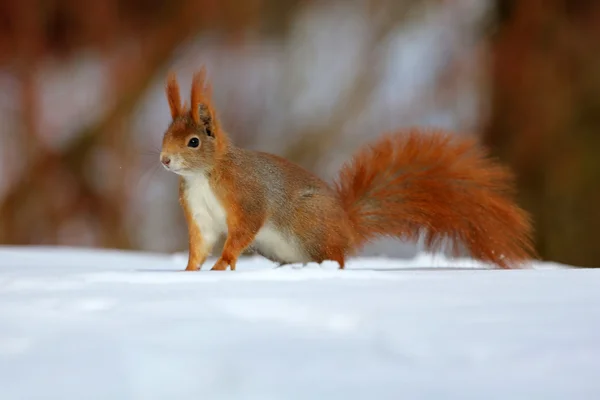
x=165, y=160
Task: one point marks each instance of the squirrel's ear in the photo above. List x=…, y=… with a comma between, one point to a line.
x=207, y=120
x=173, y=95
x=202, y=110
x=198, y=95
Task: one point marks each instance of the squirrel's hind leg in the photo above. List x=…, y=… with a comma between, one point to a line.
x=338, y=258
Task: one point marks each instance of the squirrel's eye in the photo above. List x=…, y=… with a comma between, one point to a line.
x=194, y=142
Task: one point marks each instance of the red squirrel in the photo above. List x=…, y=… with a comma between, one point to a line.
x=400, y=186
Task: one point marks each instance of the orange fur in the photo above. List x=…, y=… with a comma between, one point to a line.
x=437, y=184
x=242, y=230
x=403, y=185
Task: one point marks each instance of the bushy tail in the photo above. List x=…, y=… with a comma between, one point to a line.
x=438, y=184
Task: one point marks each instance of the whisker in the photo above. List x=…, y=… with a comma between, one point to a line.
x=152, y=150
x=148, y=173
x=152, y=153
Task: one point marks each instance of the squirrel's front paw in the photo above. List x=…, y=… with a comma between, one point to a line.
x=221, y=265
x=195, y=262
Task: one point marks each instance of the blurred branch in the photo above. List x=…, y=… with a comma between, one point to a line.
x=58, y=188
x=386, y=18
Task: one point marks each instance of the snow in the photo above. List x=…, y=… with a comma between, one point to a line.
x=91, y=324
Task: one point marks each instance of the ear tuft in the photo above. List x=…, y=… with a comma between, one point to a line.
x=173, y=96
x=199, y=94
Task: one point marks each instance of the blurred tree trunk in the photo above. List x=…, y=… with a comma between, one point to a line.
x=545, y=119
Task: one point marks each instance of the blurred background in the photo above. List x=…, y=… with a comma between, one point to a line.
x=83, y=111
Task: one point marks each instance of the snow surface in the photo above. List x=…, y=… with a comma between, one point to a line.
x=85, y=324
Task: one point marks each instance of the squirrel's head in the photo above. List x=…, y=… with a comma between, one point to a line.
x=194, y=139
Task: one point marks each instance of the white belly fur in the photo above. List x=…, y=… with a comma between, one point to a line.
x=279, y=247
x=207, y=211
x=211, y=218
